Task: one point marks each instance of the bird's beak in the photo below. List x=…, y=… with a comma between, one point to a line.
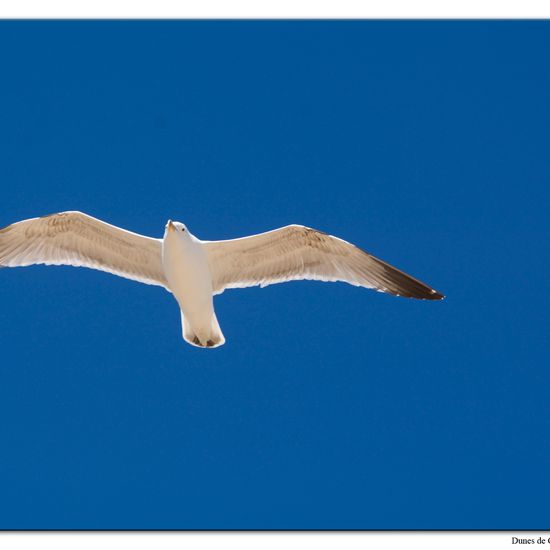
x=170, y=226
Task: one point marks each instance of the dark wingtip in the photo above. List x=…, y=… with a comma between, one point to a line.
x=409, y=287
x=427, y=294
x=435, y=296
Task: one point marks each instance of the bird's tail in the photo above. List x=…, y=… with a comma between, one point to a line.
x=212, y=340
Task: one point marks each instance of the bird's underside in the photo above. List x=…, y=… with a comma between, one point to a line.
x=290, y=253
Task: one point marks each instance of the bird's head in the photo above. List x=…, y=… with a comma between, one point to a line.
x=175, y=228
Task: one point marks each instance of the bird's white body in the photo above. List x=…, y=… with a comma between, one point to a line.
x=188, y=274
x=194, y=270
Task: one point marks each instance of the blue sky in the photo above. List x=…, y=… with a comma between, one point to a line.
x=426, y=143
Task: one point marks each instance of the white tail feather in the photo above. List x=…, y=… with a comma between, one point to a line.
x=212, y=337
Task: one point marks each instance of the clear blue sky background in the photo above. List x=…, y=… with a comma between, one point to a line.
x=426, y=143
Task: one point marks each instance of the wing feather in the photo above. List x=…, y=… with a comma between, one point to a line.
x=296, y=252
x=74, y=238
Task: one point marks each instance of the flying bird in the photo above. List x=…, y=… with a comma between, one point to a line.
x=194, y=270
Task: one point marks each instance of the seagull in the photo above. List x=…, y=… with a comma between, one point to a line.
x=194, y=270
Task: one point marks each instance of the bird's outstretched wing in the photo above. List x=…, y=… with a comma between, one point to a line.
x=74, y=238
x=297, y=252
